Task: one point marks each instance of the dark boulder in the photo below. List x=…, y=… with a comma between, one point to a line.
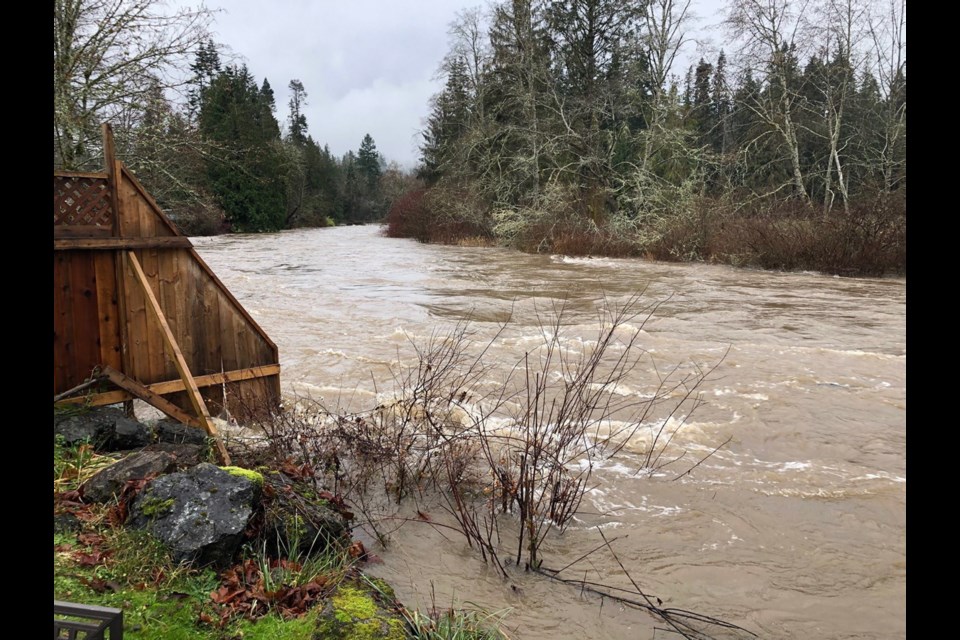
x=66, y=523
x=299, y=521
x=177, y=433
x=200, y=514
x=187, y=455
x=108, y=483
x=106, y=428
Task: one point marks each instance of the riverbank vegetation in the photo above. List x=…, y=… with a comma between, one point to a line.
x=290, y=592
x=564, y=127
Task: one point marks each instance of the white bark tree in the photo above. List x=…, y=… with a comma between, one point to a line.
x=888, y=31
x=843, y=25
x=771, y=34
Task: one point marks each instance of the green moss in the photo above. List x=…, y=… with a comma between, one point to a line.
x=149, y=611
x=252, y=476
x=294, y=528
x=380, y=585
x=353, y=614
x=274, y=627
x=155, y=506
x=352, y=603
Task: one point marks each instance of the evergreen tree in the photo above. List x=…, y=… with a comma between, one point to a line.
x=447, y=123
x=205, y=68
x=721, y=105
x=701, y=108
x=368, y=162
x=266, y=120
x=249, y=180
x=297, y=120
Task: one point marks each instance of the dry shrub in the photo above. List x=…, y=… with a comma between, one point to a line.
x=487, y=442
x=408, y=217
x=445, y=213
x=869, y=240
x=579, y=239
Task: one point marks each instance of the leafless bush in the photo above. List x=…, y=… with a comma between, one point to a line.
x=867, y=240
x=523, y=448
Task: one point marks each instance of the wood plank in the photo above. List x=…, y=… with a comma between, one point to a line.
x=268, y=373
x=233, y=301
x=107, y=309
x=62, y=322
x=112, y=169
x=251, y=397
x=196, y=399
x=157, y=353
x=135, y=388
x=148, y=221
x=170, y=295
x=86, y=325
x=99, y=175
x=229, y=352
x=178, y=288
x=126, y=362
x=208, y=330
x=129, y=216
x=167, y=224
x=100, y=244
x=136, y=312
x=80, y=231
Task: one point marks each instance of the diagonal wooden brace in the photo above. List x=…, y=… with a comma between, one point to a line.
x=154, y=399
x=199, y=406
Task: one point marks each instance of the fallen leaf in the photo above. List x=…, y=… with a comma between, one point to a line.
x=91, y=539
x=356, y=550
x=98, y=585
x=91, y=559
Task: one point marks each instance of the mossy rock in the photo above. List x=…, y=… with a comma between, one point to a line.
x=200, y=514
x=253, y=476
x=353, y=613
x=152, y=506
x=297, y=521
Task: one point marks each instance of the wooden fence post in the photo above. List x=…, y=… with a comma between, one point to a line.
x=114, y=176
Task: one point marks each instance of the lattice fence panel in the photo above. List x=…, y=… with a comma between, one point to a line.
x=81, y=201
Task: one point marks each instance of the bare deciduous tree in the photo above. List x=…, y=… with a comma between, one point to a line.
x=770, y=32
x=109, y=58
x=888, y=31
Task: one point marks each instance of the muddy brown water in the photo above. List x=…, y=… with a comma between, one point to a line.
x=796, y=528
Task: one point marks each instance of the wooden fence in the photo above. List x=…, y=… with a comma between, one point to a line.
x=136, y=309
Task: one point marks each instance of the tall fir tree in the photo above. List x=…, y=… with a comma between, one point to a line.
x=248, y=180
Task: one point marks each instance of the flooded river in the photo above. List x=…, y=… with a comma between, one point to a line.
x=796, y=528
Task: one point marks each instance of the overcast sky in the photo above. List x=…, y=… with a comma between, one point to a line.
x=368, y=66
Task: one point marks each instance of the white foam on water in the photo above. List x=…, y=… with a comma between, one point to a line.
x=663, y=512
x=794, y=465
x=881, y=476
x=583, y=260
x=620, y=389
x=727, y=391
